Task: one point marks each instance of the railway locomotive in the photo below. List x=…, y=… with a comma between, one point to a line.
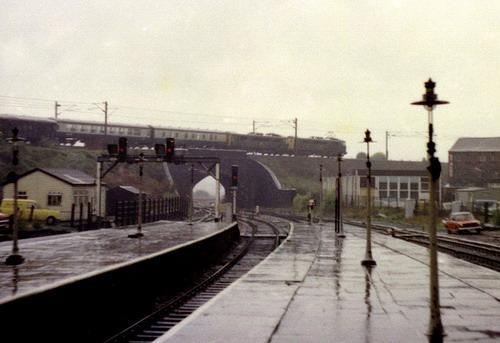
x=95, y=135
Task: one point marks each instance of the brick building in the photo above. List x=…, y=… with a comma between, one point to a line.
x=474, y=162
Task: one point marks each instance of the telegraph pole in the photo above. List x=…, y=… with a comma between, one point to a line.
x=56, y=106
x=105, y=118
x=429, y=101
x=253, y=126
x=295, y=126
x=387, y=145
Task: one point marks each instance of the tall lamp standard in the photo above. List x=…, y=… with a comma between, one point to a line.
x=429, y=101
x=340, y=227
x=15, y=258
x=368, y=260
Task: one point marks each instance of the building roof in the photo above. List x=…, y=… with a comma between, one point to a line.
x=476, y=144
x=131, y=189
x=73, y=177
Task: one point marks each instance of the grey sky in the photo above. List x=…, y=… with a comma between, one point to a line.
x=338, y=66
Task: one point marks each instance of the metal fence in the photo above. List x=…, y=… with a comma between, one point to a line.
x=153, y=209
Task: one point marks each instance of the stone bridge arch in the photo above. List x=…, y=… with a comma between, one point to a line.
x=257, y=184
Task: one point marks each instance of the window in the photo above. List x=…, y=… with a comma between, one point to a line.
x=364, y=182
x=382, y=194
x=403, y=185
x=414, y=186
x=80, y=197
x=382, y=185
x=424, y=183
x=54, y=199
x=393, y=185
x=22, y=195
x=403, y=194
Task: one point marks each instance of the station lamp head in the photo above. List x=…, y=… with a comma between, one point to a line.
x=368, y=138
x=430, y=99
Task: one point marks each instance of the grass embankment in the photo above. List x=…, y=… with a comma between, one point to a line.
x=154, y=181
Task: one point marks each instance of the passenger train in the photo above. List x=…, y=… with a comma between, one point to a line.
x=95, y=135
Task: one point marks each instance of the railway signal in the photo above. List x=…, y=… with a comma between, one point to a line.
x=160, y=150
x=234, y=187
x=113, y=150
x=170, y=150
x=122, y=149
x=234, y=176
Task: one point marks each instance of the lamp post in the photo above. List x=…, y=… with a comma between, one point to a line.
x=368, y=260
x=320, y=193
x=340, y=227
x=139, y=233
x=15, y=258
x=429, y=101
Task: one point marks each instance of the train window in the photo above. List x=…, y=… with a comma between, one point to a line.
x=83, y=128
x=137, y=132
x=193, y=136
x=102, y=129
x=121, y=130
x=176, y=134
x=203, y=137
x=185, y=135
x=72, y=127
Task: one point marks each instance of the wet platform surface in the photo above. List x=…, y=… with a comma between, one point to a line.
x=314, y=289
x=57, y=259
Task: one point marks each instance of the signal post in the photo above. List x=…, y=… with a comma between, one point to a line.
x=164, y=153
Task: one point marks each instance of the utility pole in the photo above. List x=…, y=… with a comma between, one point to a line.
x=295, y=125
x=105, y=118
x=387, y=145
x=253, y=127
x=56, y=106
x=429, y=101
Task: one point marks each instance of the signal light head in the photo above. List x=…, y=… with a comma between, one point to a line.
x=234, y=176
x=170, y=149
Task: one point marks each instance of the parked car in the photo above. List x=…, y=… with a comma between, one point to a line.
x=4, y=221
x=26, y=206
x=462, y=222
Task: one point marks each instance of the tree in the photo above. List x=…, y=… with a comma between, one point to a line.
x=361, y=155
x=378, y=156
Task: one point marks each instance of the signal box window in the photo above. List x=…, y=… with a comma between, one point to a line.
x=54, y=199
x=22, y=195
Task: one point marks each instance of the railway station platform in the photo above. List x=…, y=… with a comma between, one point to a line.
x=314, y=289
x=73, y=283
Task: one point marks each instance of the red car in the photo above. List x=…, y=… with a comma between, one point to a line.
x=462, y=222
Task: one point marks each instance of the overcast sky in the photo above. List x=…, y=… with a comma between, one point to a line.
x=338, y=66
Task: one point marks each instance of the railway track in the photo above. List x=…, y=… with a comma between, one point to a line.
x=481, y=253
x=259, y=239
x=485, y=254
